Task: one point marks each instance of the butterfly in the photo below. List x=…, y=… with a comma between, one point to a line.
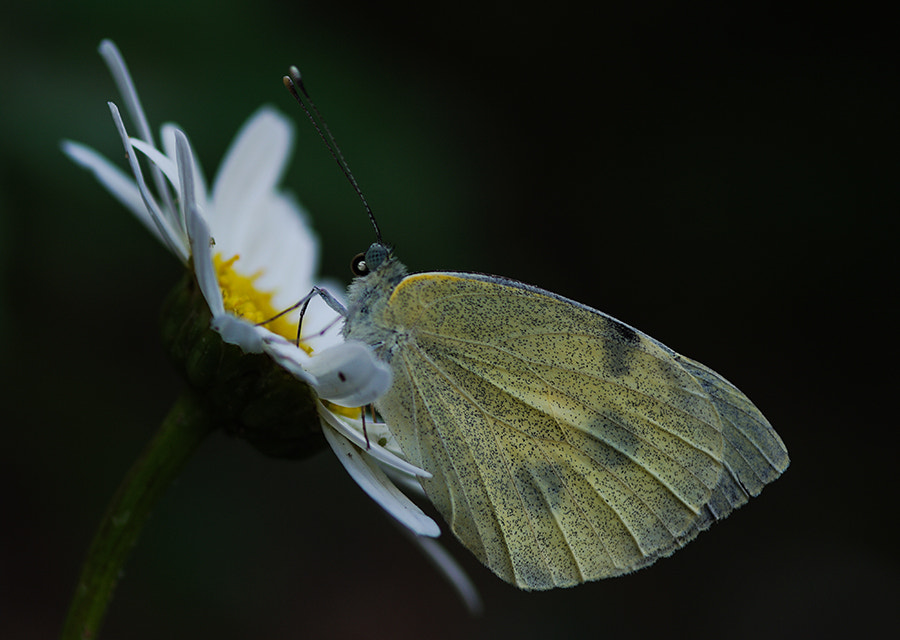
x=564, y=445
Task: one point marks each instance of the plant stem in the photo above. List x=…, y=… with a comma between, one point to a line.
x=178, y=437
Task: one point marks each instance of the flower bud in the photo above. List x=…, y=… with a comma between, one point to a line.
x=249, y=395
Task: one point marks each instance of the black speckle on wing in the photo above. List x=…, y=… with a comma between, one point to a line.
x=621, y=347
x=625, y=332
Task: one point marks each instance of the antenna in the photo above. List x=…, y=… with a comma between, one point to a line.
x=294, y=83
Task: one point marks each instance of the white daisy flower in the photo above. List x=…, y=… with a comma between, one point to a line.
x=252, y=253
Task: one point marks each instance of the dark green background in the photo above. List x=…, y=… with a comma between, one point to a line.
x=724, y=179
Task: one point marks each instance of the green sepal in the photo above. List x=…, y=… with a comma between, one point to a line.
x=248, y=395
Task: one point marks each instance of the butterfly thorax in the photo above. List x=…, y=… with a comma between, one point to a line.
x=367, y=307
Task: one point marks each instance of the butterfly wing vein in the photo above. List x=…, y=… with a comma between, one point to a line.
x=565, y=446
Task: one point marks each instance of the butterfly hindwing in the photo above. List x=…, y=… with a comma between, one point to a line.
x=565, y=446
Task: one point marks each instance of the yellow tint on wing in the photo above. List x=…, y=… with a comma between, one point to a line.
x=565, y=446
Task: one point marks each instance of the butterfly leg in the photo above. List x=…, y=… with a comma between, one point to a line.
x=332, y=302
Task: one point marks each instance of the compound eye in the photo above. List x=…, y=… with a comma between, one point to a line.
x=358, y=265
x=376, y=255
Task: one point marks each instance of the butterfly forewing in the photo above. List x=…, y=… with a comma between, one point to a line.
x=755, y=455
x=564, y=445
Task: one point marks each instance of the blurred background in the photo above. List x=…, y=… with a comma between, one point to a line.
x=723, y=178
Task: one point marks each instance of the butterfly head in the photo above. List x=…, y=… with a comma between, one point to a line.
x=365, y=263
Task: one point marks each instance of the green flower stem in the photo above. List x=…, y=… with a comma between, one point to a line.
x=178, y=437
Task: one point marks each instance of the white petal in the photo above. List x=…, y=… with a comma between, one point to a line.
x=275, y=240
x=349, y=374
x=128, y=91
x=119, y=70
x=252, y=167
x=289, y=356
x=407, y=483
x=372, y=448
x=453, y=572
x=201, y=250
x=116, y=181
x=158, y=158
x=378, y=486
x=304, y=367
x=378, y=433
x=168, y=144
x=236, y=331
x=163, y=218
x=184, y=158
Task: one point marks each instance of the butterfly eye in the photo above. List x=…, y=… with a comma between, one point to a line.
x=376, y=254
x=358, y=265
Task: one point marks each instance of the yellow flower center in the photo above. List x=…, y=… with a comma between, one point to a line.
x=349, y=412
x=243, y=299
